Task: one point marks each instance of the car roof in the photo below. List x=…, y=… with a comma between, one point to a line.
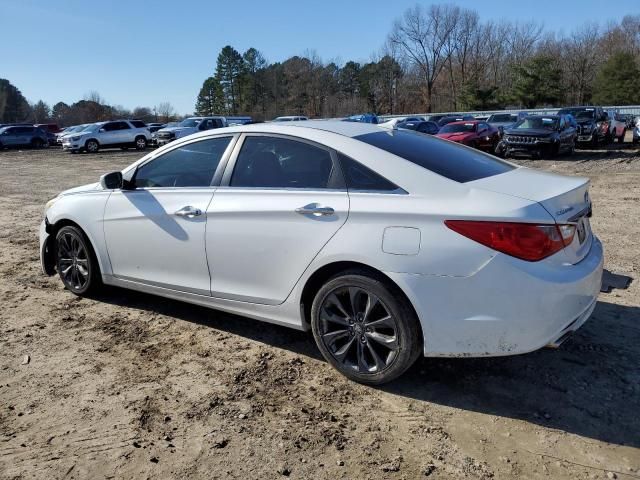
x=348, y=129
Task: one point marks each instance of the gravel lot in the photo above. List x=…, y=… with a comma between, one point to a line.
x=133, y=386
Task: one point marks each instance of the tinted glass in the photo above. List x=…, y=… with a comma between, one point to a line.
x=272, y=162
x=547, y=123
x=138, y=123
x=360, y=178
x=191, y=165
x=122, y=126
x=444, y=158
x=458, y=128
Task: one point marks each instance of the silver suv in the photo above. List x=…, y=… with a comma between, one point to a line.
x=118, y=133
x=22, y=136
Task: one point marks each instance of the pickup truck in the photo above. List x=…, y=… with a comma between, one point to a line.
x=187, y=127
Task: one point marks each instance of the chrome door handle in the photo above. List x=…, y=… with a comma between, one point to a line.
x=189, y=211
x=317, y=211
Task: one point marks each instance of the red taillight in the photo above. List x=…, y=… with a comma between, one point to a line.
x=526, y=241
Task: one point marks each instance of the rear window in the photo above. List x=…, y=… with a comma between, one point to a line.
x=138, y=123
x=452, y=161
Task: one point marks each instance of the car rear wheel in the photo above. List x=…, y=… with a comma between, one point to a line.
x=621, y=137
x=141, y=143
x=365, y=328
x=37, y=143
x=91, y=146
x=76, y=262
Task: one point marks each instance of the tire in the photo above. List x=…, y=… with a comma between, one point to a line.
x=36, y=143
x=572, y=149
x=621, y=137
x=76, y=261
x=141, y=143
x=355, y=341
x=91, y=146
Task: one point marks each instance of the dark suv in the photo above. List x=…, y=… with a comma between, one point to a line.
x=540, y=136
x=23, y=136
x=593, y=125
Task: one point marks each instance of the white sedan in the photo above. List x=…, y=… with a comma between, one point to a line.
x=387, y=244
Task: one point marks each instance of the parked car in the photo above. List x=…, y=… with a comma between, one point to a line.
x=23, y=136
x=290, y=118
x=154, y=127
x=593, y=127
x=504, y=120
x=375, y=260
x=617, y=126
x=473, y=133
x=436, y=117
x=51, y=129
x=69, y=131
x=187, y=127
x=113, y=134
x=363, y=118
x=540, y=136
x=430, y=128
x=636, y=131
x=457, y=118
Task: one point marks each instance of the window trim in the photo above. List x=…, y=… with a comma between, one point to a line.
x=231, y=164
x=217, y=175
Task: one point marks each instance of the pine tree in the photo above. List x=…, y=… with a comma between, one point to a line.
x=229, y=69
x=538, y=82
x=211, y=99
x=618, y=81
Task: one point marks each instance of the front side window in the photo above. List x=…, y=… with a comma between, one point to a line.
x=191, y=165
x=274, y=162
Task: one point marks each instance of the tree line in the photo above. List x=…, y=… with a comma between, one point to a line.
x=435, y=58
x=438, y=58
x=14, y=107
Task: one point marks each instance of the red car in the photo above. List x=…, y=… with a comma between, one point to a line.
x=473, y=133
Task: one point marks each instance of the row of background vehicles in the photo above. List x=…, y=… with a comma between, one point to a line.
x=504, y=134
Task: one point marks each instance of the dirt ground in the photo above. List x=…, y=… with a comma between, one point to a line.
x=134, y=386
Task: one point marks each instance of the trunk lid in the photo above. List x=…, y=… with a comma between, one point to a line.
x=565, y=198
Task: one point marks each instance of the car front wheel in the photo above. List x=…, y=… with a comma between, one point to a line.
x=141, y=143
x=91, y=146
x=365, y=328
x=75, y=261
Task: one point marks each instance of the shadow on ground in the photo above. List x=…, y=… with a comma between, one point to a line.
x=589, y=387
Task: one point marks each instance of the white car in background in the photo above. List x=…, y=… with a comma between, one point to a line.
x=68, y=131
x=290, y=118
x=113, y=134
x=636, y=131
x=188, y=126
x=387, y=244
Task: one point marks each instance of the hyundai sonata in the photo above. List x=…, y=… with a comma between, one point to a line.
x=387, y=244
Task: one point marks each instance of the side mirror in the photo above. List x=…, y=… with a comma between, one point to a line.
x=111, y=181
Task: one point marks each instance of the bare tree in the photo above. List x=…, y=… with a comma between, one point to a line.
x=424, y=36
x=165, y=111
x=581, y=60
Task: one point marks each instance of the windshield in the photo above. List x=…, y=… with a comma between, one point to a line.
x=448, y=159
x=502, y=117
x=190, y=122
x=3, y=129
x=579, y=113
x=458, y=128
x=548, y=123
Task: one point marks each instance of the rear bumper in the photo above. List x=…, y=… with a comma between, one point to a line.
x=508, y=307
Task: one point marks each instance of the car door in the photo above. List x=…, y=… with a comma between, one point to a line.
x=124, y=133
x=10, y=136
x=108, y=133
x=155, y=232
x=281, y=200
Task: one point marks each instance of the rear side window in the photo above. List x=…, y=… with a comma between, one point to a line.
x=452, y=161
x=191, y=165
x=274, y=162
x=138, y=123
x=360, y=178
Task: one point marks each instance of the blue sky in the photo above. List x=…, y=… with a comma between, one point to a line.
x=138, y=53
